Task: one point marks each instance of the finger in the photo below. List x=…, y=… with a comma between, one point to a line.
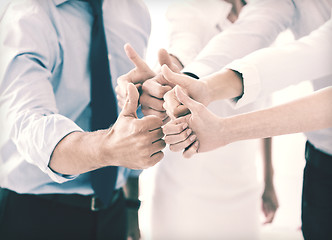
x=130, y=106
x=177, y=138
x=149, y=111
x=173, y=106
x=121, y=102
x=192, y=105
x=269, y=217
x=152, y=102
x=155, y=88
x=135, y=58
x=181, y=111
x=191, y=150
x=176, y=78
x=164, y=58
x=175, y=126
x=156, y=157
x=166, y=120
x=156, y=134
x=121, y=88
x=171, y=103
x=157, y=146
x=151, y=122
x=182, y=145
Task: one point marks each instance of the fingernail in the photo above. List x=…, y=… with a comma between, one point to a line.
x=189, y=132
x=192, y=138
x=185, y=126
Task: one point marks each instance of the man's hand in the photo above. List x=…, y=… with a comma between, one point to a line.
x=154, y=89
x=137, y=76
x=197, y=90
x=132, y=142
x=203, y=123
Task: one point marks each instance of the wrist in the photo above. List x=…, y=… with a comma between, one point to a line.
x=224, y=131
x=225, y=84
x=75, y=154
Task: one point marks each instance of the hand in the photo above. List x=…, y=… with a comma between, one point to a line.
x=180, y=137
x=197, y=90
x=204, y=124
x=154, y=89
x=132, y=142
x=269, y=203
x=137, y=76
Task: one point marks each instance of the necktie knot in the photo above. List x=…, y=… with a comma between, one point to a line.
x=96, y=6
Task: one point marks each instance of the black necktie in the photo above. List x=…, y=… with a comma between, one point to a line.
x=103, y=104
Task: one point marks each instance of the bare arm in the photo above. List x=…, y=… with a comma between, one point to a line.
x=309, y=113
x=269, y=198
x=130, y=142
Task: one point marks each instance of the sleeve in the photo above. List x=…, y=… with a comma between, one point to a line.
x=28, y=47
x=258, y=25
x=275, y=68
x=192, y=24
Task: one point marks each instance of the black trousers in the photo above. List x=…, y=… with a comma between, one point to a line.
x=25, y=216
x=317, y=195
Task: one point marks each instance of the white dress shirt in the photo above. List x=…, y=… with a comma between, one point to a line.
x=45, y=83
x=272, y=69
x=258, y=25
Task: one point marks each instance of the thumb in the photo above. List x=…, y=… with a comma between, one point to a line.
x=130, y=106
x=165, y=58
x=191, y=104
x=176, y=78
x=135, y=58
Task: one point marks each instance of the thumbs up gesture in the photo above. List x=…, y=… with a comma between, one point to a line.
x=137, y=75
x=198, y=90
x=201, y=123
x=153, y=86
x=134, y=143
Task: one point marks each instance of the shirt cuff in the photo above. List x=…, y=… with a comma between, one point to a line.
x=200, y=69
x=64, y=127
x=251, y=82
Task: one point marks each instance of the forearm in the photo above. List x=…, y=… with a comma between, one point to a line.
x=225, y=84
x=306, y=114
x=77, y=153
x=267, y=161
x=258, y=25
x=271, y=69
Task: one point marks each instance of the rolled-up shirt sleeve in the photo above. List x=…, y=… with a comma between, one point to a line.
x=272, y=69
x=258, y=25
x=27, y=62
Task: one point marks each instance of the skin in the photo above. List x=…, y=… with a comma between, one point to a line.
x=152, y=85
x=157, y=89
x=222, y=85
x=131, y=142
x=305, y=114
